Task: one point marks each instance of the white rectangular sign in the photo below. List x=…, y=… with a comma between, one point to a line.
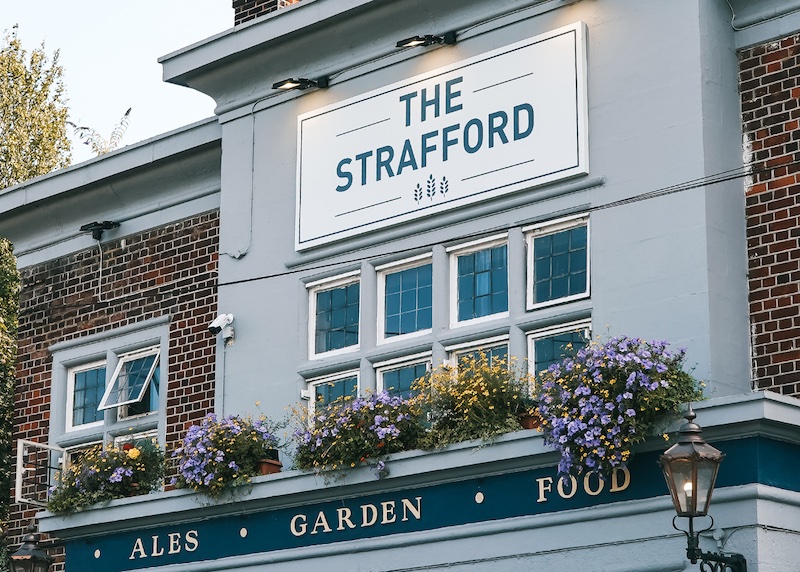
x=504, y=121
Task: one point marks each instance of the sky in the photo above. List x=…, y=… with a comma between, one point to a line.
x=109, y=51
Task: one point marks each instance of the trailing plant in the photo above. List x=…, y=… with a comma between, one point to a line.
x=481, y=398
x=351, y=431
x=220, y=453
x=597, y=405
x=99, y=475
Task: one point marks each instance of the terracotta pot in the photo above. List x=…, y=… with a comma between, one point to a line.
x=268, y=466
x=529, y=421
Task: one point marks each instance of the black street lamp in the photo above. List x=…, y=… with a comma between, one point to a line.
x=690, y=469
x=30, y=557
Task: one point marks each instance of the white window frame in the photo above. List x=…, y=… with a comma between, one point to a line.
x=585, y=325
x=543, y=229
x=317, y=381
x=71, y=393
x=112, y=385
x=391, y=268
x=120, y=440
x=469, y=347
x=397, y=363
x=313, y=288
x=469, y=248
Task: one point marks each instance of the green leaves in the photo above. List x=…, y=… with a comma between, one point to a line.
x=33, y=113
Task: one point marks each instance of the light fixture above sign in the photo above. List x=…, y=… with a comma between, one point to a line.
x=300, y=83
x=427, y=40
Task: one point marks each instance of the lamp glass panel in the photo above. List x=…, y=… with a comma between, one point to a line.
x=706, y=475
x=679, y=475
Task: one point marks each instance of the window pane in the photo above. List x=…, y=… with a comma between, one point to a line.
x=328, y=392
x=412, y=314
x=553, y=349
x=484, y=291
x=492, y=354
x=133, y=376
x=399, y=381
x=88, y=388
x=149, y=402
x=559, y=265
x=337, y=318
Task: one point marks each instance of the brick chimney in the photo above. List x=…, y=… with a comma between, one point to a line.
x=245, y=10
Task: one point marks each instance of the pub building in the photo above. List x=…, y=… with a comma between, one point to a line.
x=443, y=143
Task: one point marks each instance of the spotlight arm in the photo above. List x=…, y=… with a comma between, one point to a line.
x=710, y=561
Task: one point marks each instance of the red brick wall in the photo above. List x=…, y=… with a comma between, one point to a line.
x=170, y=270
x=245, y=10
x=769, y=86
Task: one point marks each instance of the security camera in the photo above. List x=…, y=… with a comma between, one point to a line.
x=220, y=322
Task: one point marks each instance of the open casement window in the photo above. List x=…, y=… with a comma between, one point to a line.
x=132, y=378
x=37, y=466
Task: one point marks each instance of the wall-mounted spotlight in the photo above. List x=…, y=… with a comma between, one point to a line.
x=449, y=39
x=300, y=83
x=97, y=228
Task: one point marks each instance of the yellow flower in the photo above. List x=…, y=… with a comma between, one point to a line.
x=134, y=453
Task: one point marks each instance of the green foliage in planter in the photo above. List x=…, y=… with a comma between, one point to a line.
x=480, y=399
x=99, y=475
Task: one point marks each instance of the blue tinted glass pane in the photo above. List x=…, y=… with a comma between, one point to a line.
x=483, y=284
x=560, y=287
x=577, y=283
x=392, y=304
x=424, y=296
x=560, y=243
x=425, y=319
x=408, y=302
x=577, y=261
x=466, y=310
x=466, y=288
x=392, y=283
x=542, y=269
x=337, y=320
x=408, y=323
x=578, y=237
x=392, y=327
x=466, y=265
x=425, y=275
x=542, y=247
x=560, y=265
x=483, y=260
x=500, y=257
